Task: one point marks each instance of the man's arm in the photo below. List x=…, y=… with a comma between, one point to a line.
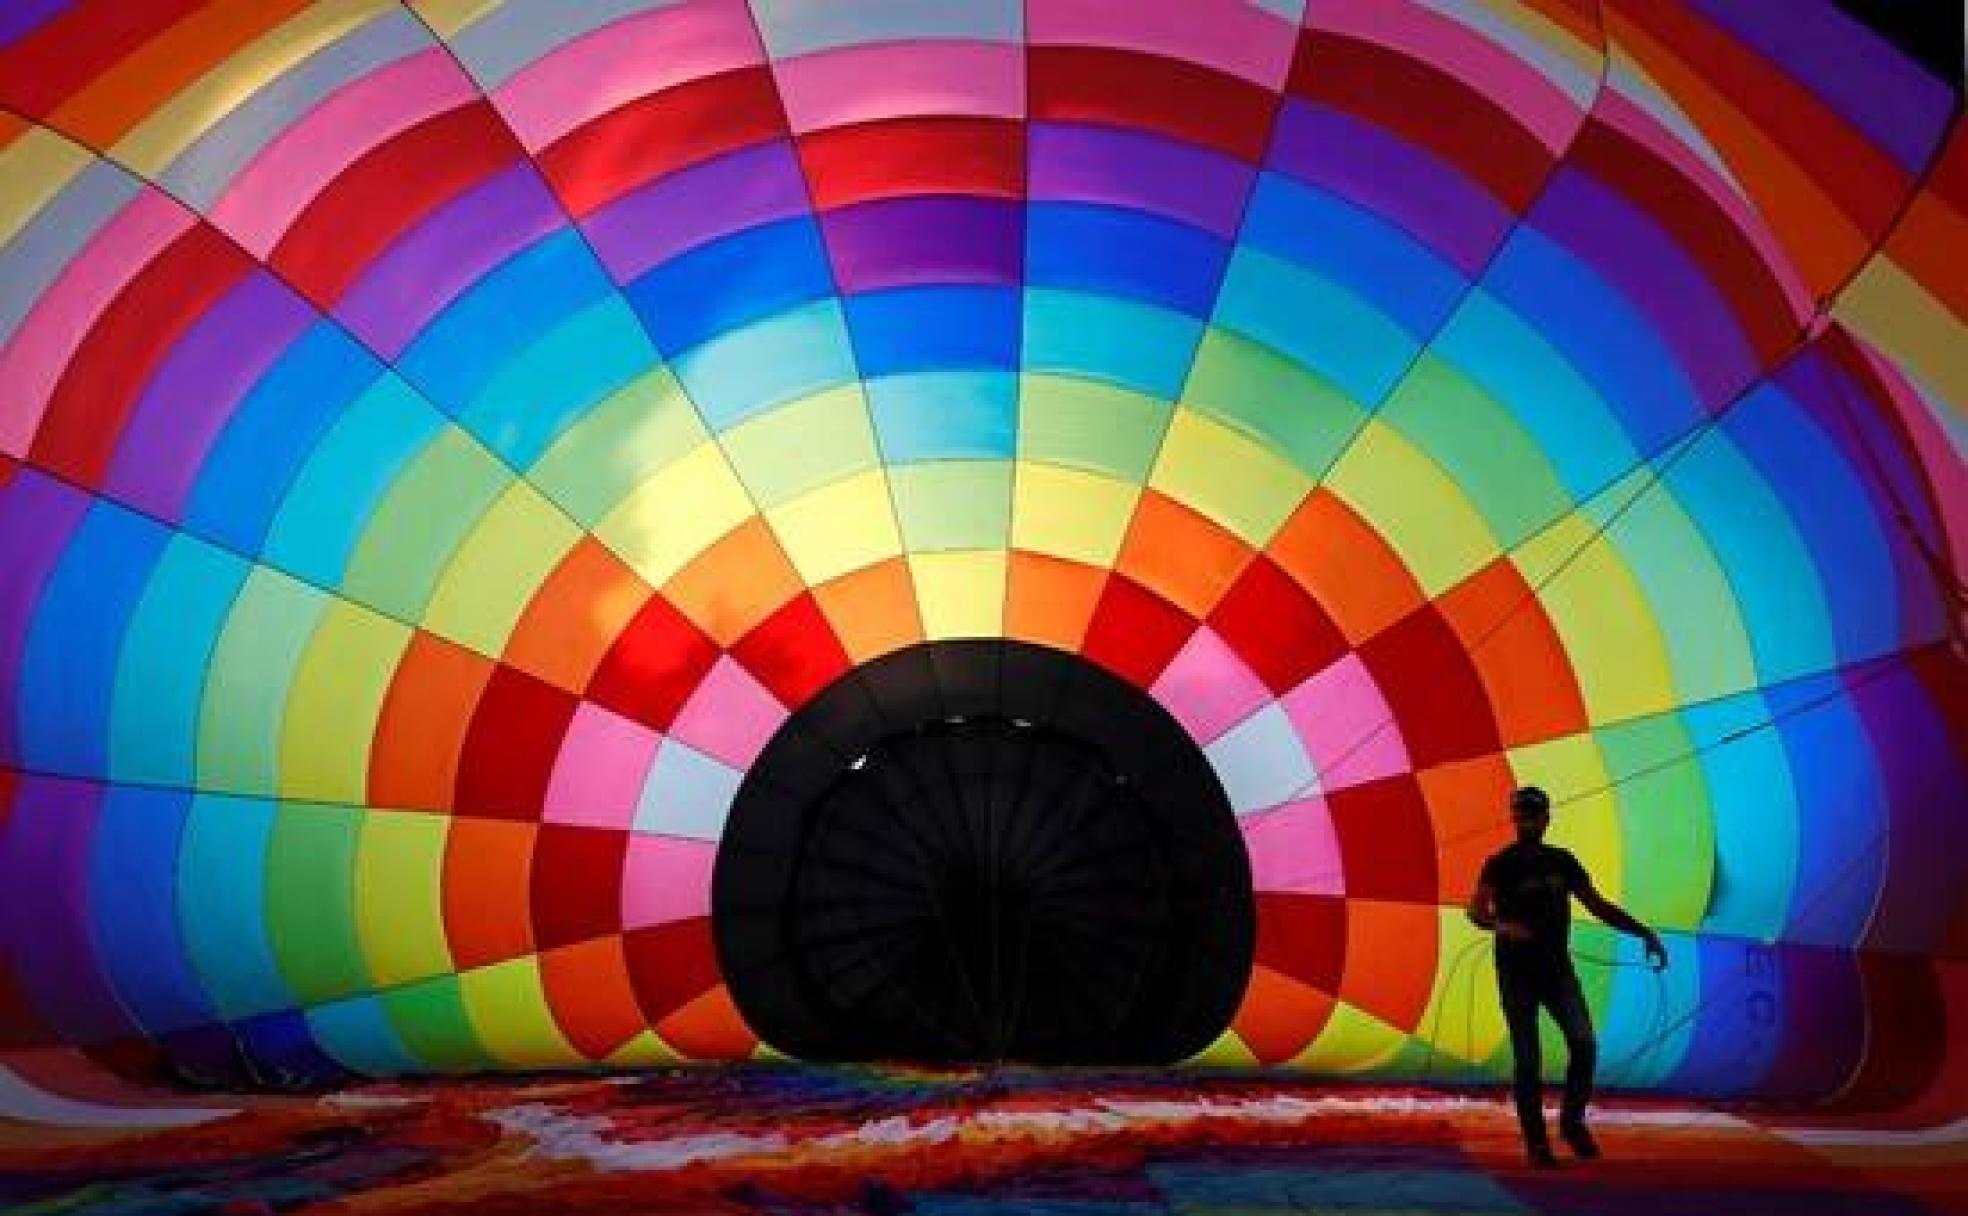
x=1619, y=918
x=1482, y=913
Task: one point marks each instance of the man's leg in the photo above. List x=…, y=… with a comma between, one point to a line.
x=1574, y=1018
x=1520, y=1006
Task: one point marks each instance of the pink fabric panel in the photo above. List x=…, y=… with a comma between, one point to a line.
x=285, y=177
x=32, y=363
x=1347, y=728
x=600, y=770
x=623, y=62
x=889, y=80
x=666, y=879
x=730, y=716
x=1294, y=848
x=1208, y=688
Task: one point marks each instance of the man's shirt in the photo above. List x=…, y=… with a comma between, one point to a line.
x=1534, y=885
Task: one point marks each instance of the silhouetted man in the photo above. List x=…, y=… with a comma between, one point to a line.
x=1524, y=894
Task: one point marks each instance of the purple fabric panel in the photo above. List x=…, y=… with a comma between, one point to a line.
x=1146, y=172
x=1926, y=868
x=678, y=212
x=446, y=253
x=193, y=393
x=1894, y=101
x=1824, y=1020
x=1638, y=258
x=37, y=515
x=44, y=866
x=915, y=241
x=18, y=18
x=1400, y=183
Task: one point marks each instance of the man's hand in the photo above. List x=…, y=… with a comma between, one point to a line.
x=1656, y=953
x=1512, y=931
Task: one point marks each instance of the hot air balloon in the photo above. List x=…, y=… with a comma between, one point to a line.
x=544, y=535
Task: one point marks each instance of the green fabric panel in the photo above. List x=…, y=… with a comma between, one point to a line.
x=803, y=445
x=253, y=665
x=311, y=901
x=1258, y=391
x=1667, y=826
x=421, y=522
x=953, y=504
x=618, y=445
x=430, y=1018
x=1495, y=462
x=1086, y=424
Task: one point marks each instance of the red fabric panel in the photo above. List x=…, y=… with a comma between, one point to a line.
x=1150, y=93
x=577, y=884
x=510, y=749
x=937, y=155
x=58, y=59
x=1134, y=632
x=387, y=191
x=1303, y=936
x=794, y=652
x=124, y=347
x=1386, y=841
x=672, y=964
x=1438, y=701
x=1276, y=628
x=1426, y=108
x=662, y=133
x=654, y=665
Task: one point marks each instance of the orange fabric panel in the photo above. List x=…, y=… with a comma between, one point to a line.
x=420, y=732
x=589, y=992
x=576, y=615
x=488, y=866
x=740, y=581
x=1180, y=555
x=1279, y=1015
x=873, y=609
x=144, y=81
x=1346, y=566
x=1469, y=804
x=1390, y=959
x=1526, y=674
x=1050, y=601
x=709, y=1027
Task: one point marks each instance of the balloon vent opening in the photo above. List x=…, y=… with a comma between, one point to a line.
x=984, y=851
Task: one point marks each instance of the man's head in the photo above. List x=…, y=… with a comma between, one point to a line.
x=1530, y=811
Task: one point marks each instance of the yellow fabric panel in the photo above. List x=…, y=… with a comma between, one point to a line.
x=1067, y=513
x=1221, y=473
x=1352, y=1041
x=33, y=170
x=961, y=592
x=507, y=1007
x=618, y=445
x=1609, y=634
x=248, y=679
x=337, y=694
x=153, y=144
x=399, y=895
x=645, y=1050
x=1224, y=1051
x=677, y=514
x=447, y=17
x=838, y=527
x=802, y=445
x=1895, y=313
x=1416, y=506
x=1462, y=1016
x=495, y=573
x=1585, y=813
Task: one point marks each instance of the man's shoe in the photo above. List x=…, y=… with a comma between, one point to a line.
x=1580, y=1138
x=1540, y=1157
